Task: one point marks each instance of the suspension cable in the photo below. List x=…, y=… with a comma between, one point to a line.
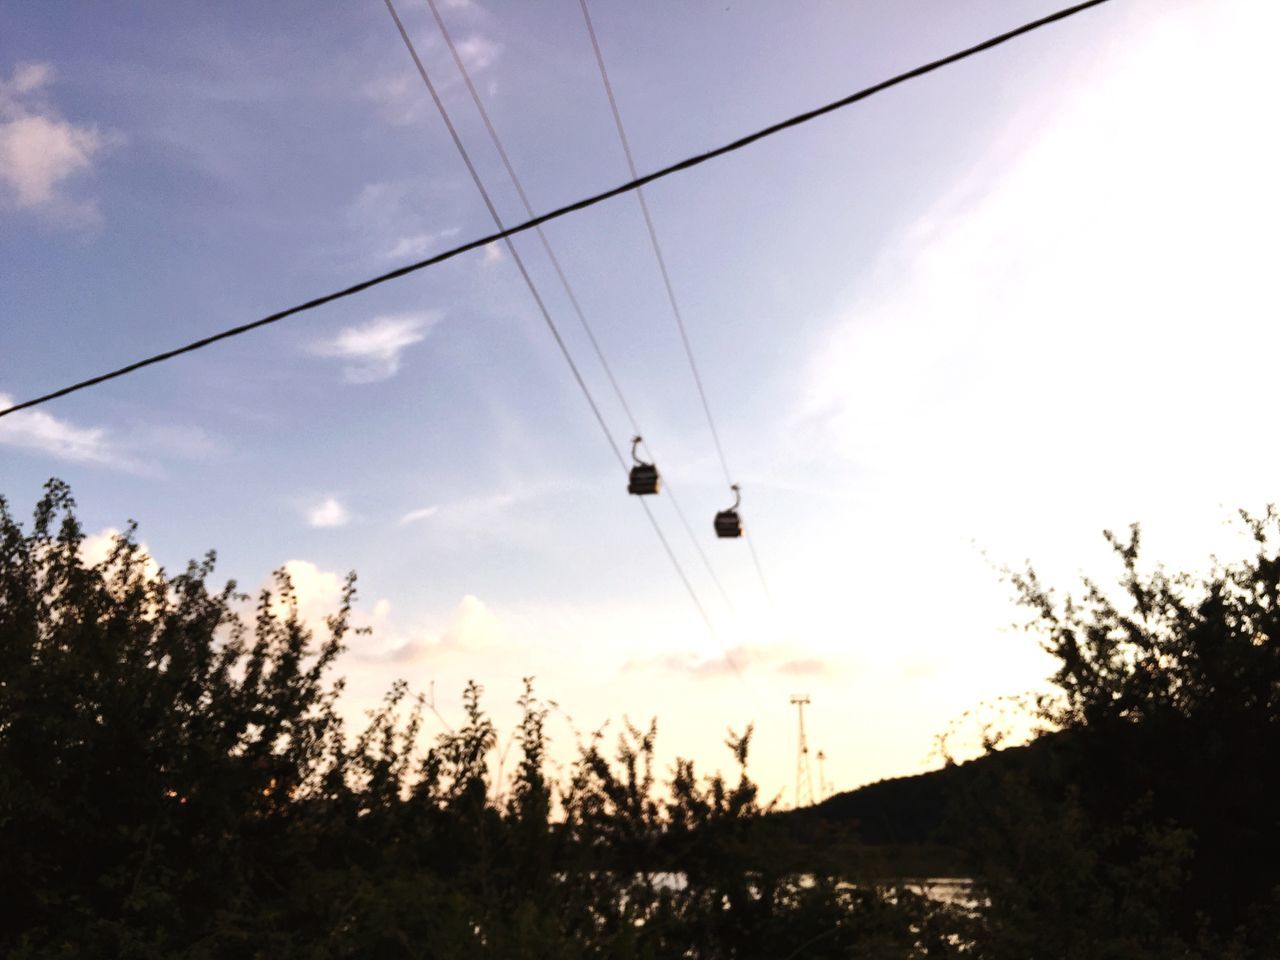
x=542, y=307
x=570, y=292
x=662, y=269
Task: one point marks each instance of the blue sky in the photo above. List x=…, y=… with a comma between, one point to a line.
x=970, y=321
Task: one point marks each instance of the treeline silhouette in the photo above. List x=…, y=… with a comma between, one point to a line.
x=175, y=780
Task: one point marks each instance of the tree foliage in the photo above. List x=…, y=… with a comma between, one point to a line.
x=175, y=781
x=1147, y=824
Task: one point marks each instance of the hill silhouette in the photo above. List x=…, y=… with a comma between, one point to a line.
x=919, y=808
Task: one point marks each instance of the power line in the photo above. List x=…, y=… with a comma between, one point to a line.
x=568, y=288
x=685, y=164
x=542, y=308
x=511, y=248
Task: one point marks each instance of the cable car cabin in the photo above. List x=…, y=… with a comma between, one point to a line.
x=644, y=476
x=728, y=523
x=644, y=480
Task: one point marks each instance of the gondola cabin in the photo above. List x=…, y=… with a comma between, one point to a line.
x=644, y=480
x=728, y=523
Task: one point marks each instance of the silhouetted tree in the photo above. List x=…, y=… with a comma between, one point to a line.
x=175, y=781
x=1149, y=823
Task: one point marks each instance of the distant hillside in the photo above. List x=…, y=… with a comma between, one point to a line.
x=912, y=810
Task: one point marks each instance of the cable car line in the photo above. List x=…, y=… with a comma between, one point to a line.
x=686, y=164
x=755, y=559
x=542, y=308
x=727, y=522
x=570, y=292
x=653, y=240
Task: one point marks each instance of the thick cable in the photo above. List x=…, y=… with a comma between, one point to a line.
x=583, y=204
x=569, y=291
x=542, y=307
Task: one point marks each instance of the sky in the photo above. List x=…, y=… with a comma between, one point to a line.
x=965, y=324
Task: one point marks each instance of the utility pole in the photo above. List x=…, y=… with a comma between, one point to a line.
x=804, y=773
x=823, y=786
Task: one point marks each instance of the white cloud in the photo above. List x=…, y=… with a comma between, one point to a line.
x=397, y=220
x=1087, y=306
x=418, y=245
x=470, y=628
x=40, y=151
x=492, y=253
x=319, y=595
x=473, y=515
x=400, y=96
x=477, y=52
x=27, y=78
x=97, y=547
x=374, y=348
x=473, y=628
x=413, y=516
x=44, y=433
x=328, y=513
x=737, y=659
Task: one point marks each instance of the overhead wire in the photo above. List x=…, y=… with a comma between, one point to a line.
x=570, y=293
x=653, y=241
x=666, y=277
x=687, y=163
x=542, y=309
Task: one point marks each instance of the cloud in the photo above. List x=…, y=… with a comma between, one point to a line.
x=733, y=660
x=40, y=151
x=492, y=253
x=405, y=218
x=97, y=547
x=27, y=78
x=418, y=245
x=329, y=513
x=471, y=512
x=319, y=595
x=44, y=433
x=400, y=96
x=477, y=52
x=472, y=628
x=413, y=516
x=1050, y=314
x=374, y=348
x=804, y=667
